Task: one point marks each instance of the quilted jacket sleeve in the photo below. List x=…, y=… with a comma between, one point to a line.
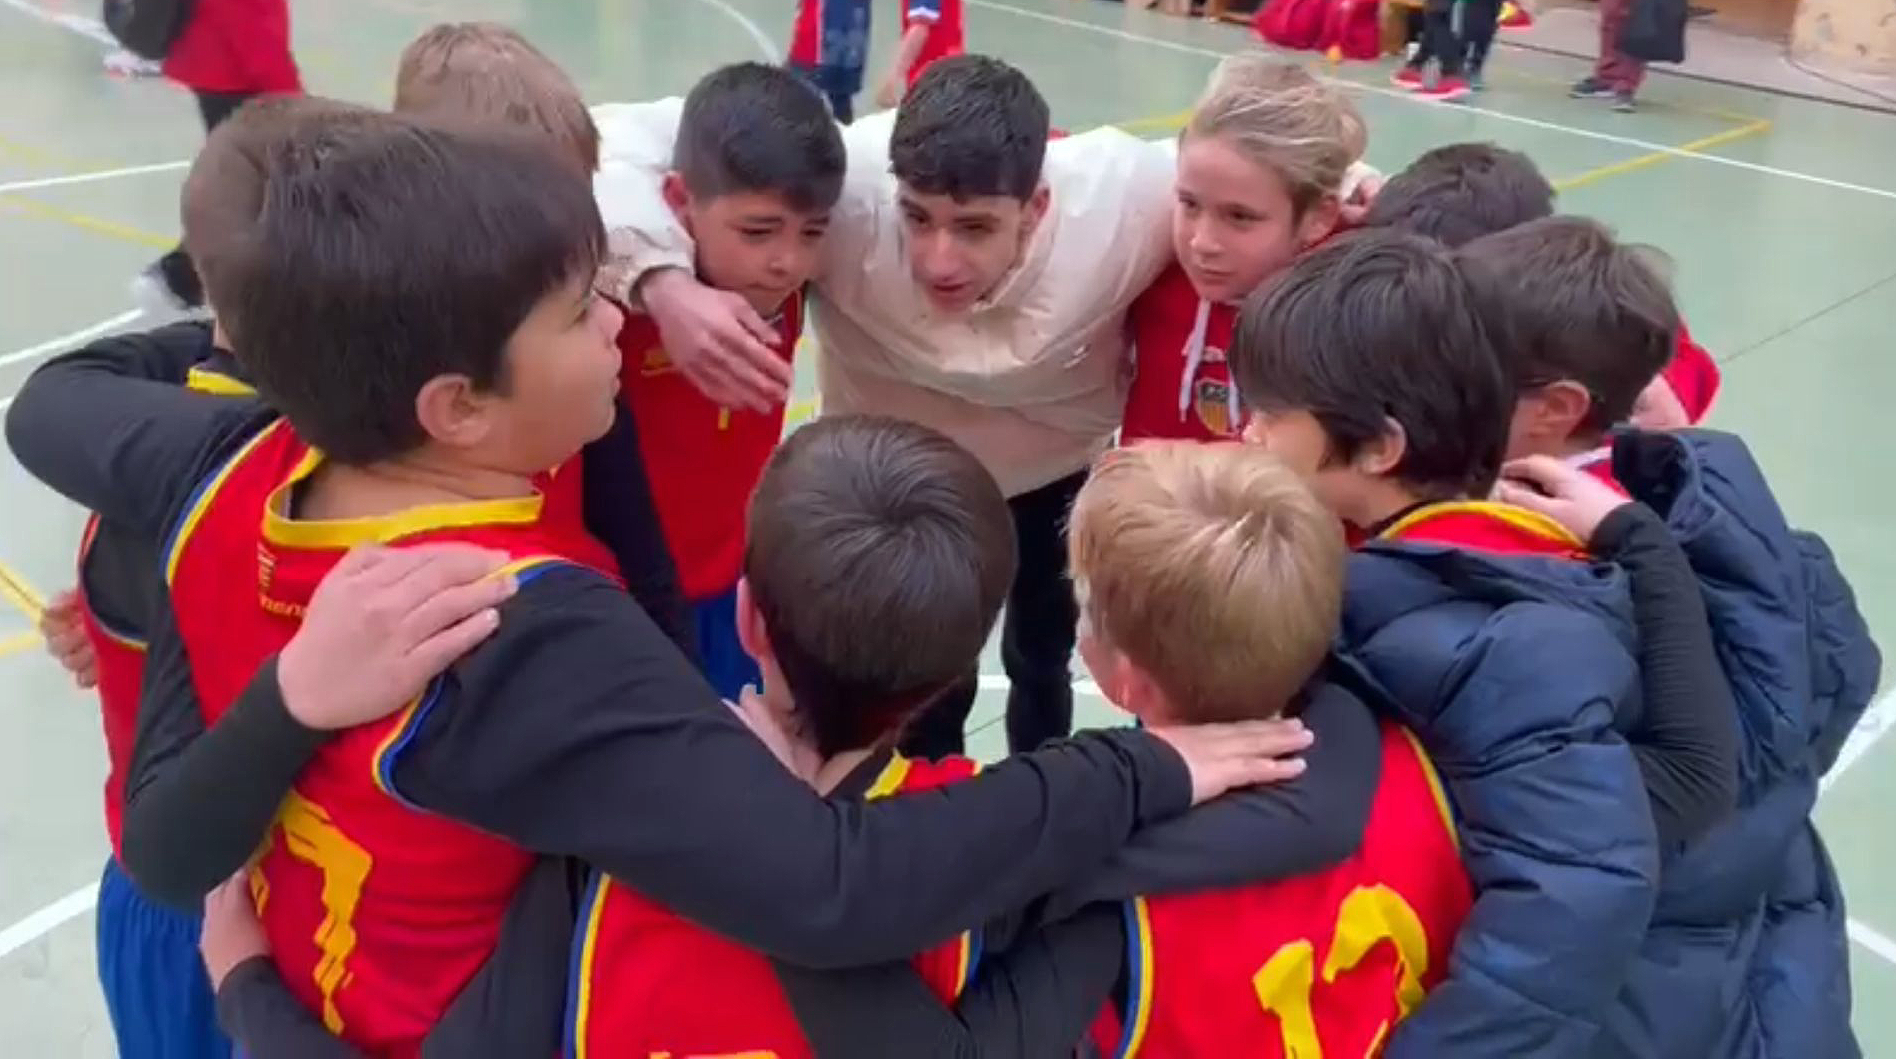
x=1555, y=829
x=1845, y=663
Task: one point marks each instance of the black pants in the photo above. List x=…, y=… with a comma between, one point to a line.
x=1037, y=637
x=1453, y=46
x=175, y=267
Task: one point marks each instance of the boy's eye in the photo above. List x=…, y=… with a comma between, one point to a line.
x=755, y=233
x=974, y=228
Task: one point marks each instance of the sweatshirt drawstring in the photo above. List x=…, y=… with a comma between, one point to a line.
x=1194, y=357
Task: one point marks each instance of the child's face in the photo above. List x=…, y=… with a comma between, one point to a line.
x=562, y=379
x=1298, y=441
x=958, y=252
x=1234, y=224
x=753, y=244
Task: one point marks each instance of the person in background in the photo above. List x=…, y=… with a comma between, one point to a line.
x=228, y=52
x=931, y=30
x=829, y=45
x=1616, y=75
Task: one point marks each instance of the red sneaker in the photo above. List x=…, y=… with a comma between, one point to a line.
x=1447, y=89
x=1514, y=16
x=1409, y=79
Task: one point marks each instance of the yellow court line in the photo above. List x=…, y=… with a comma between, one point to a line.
x=799, y=413
x=1644, y=161
x=99, y=225
x=18, y=642
x=15, y=590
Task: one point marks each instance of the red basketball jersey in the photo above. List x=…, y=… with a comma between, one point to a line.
x=121, y=671
x=1321, y=965
x=703, y=461
x=377, y=912
x=651, y=983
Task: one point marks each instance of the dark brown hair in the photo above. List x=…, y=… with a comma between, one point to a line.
x=1374, y=326
x=408, y=253
x=971, y=126
x=1580, y=305
x=223, y=191
x=749, y=127
x=1462, y=192
x=879, y=553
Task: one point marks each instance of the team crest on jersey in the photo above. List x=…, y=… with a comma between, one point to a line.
x=1211, y=398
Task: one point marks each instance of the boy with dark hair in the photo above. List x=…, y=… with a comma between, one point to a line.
x=756, y=168
x=1461, y=192
x=1755, y=900
x=155, y=990
x=1590, y=324
x=1370, y=367
x=918, y=533
x=412, y=832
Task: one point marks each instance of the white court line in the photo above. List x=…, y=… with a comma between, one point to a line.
x=1876, y=722
x=1606, y=137
x=46, y=920
x=1878, y=944
x=772, y=53
x=995, y=682
x=90, y=28
x=96, y=175
x=68, y=341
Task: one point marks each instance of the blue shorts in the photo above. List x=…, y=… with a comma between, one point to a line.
x=156, y=991
x=725, y=663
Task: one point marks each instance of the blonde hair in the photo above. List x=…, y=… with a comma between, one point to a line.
x=486, y=74
x=1282, y=118
x=1213, y=568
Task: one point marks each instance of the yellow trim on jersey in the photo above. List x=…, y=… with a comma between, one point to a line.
x=207, y=380
x=279, y=528
x=1142, y=973
x=1436, y=790
x=381, y=765
x=1519, y=517
x=207, y=492
x=588, y=949
x=893, y=775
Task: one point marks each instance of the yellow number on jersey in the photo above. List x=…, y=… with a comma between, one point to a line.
x=1369, y=915
x=311, y=837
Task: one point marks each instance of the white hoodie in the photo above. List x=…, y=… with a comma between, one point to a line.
x=1032, y=380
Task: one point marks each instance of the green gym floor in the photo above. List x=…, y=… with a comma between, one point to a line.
x=1779, y=213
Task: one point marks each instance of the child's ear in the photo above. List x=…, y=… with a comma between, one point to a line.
x=1565, y=405
x=1380, y=457
x=452, y=412
x=1036, y=209
x=677, y=196
x=1318, y=221
x=751, y=634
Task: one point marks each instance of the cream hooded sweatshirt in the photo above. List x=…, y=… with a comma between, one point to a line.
x=1032, y=380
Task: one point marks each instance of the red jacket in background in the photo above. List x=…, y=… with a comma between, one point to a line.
x=235, y=46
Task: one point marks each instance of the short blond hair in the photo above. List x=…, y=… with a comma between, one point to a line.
x=486, y=74
x=1213, y=568
x=1283, y=118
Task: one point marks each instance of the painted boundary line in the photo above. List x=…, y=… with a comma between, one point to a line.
x=771, y=53
x=71, y=339
x=1499, y=115
x=48, y=919
x=88, y=178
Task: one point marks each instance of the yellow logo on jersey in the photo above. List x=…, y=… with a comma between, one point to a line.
x=656, y=362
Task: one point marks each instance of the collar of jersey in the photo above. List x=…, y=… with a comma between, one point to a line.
x=279, y=528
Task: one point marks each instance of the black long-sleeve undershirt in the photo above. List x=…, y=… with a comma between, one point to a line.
x=1686, y=741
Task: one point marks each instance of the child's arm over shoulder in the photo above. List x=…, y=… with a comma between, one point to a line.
x=1260, y=833
x=1556, y=835
x=108, y=427
x=577, y=729
x=642, y=232
x=1036, y=999
x=1687, y=739
x=620, y=512
x=212, y=793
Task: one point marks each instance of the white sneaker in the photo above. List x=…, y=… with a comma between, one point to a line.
x=122, y=63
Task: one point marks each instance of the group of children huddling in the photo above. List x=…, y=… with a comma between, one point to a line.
x=1474, y=721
